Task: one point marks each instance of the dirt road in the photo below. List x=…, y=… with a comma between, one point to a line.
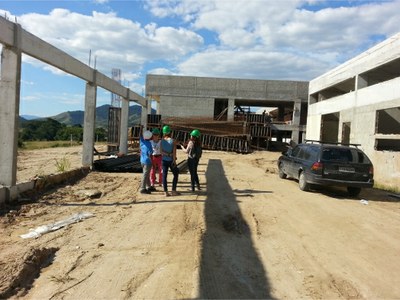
x=247, y=234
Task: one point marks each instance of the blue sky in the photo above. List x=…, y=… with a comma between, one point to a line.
x=254, y=39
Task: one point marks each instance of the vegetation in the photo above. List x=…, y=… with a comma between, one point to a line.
x=53, y=132
x=63, y=164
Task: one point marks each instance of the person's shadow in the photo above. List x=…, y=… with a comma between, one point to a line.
x=230, y=267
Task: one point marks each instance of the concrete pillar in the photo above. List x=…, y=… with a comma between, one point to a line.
x=296, y=121
x=143, y=119
x=10, y=86
x=149, y=101
x=231, y=109
x=361, y=81
x=123, y=137
x=296, y=112
x=158, y=111
x=89, y=124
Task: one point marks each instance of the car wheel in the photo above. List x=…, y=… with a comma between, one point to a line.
x=353, y=191
x=303, y=185
x=281, y=173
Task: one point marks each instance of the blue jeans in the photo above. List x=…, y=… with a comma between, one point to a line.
x=175, y=171
x=193, y=163
x=145, y=176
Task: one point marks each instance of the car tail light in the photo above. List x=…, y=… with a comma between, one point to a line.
x=317, y=166
x=371, y=170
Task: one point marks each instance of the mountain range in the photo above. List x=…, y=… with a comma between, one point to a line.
x=76, y=117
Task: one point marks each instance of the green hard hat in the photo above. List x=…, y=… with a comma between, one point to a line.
x=156, y=131
x=166, y=129
x=195, y=133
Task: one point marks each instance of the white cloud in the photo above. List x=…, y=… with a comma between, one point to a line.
x=251, y=64
x=259, y=38
x=114, y=42
x=160, y=71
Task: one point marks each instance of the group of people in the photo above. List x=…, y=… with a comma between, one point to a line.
x=158, y=155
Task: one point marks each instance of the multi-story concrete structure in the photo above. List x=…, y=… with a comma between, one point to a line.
x=359, y=102
x=187, y=96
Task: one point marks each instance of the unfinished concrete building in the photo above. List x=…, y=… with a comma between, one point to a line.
x=359, y=102
x=224, y=104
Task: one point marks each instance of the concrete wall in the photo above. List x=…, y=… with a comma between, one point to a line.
x=183, y=106
x=41, y=184
x=210, y=87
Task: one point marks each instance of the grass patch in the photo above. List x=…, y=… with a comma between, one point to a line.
x=63, y=164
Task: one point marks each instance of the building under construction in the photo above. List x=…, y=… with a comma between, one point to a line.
x=232, y=114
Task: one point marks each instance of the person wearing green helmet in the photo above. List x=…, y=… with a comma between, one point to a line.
x=156, y=159
x=194, y=152
x=168, y=151
x=166, y=130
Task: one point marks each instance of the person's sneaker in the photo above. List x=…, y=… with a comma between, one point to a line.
x=152, y=189
x=167, y=194
x=175, y=193
x=144, y=191
x=198, y=187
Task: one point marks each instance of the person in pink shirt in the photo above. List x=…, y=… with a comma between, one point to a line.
x=156, y=158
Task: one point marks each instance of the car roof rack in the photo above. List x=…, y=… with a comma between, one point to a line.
x=331, y=143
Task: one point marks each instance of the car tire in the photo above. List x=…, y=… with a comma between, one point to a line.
x=353, y=191
x=282, y=174
x=303, y=185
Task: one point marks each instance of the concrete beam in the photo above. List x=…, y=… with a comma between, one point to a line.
x=45, y=52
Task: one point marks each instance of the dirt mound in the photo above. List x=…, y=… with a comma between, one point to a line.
x=17, y=277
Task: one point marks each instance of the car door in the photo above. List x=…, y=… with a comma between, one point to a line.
x=295, y=162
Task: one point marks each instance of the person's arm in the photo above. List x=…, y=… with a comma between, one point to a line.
x=174, y=153
x=188, y=147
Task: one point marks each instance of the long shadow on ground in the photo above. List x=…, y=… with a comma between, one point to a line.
x=230, y=267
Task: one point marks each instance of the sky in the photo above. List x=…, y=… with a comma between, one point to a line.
x=249, y=39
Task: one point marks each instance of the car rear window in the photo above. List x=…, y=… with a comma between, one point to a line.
x=350, y=155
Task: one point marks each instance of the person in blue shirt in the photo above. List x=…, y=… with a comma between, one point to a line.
x=146, y=150
x=168, y=151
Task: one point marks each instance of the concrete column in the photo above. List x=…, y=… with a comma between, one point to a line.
x=123, y=137
x=296, y=112
x=149, y=106
x=231, y=109
x=143, y=119
x=296, y=121
x=361, y=82
x=158, y=111
x=10, y=86
x=89, y=125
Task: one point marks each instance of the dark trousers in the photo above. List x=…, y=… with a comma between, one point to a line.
x=193, y=163
x=167, y=165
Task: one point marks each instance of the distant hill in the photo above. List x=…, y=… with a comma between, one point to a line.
x=76, y=117
x=30, y=117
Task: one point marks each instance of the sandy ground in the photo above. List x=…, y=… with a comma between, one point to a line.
x=247, y=234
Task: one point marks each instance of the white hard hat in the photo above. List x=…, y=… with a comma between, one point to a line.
x=147, y=135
